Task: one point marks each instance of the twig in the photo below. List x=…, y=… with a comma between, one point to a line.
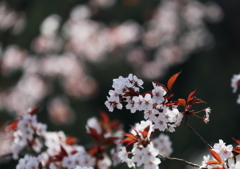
x=194, y=131
x=179, y=159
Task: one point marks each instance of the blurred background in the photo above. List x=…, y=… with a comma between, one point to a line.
x=63, y=56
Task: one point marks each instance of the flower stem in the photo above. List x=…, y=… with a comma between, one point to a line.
x=201, y=138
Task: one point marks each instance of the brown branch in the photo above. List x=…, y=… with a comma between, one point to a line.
x=201, y=138
x=180, y=160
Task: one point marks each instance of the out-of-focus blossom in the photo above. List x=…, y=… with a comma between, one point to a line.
x=213, y=11
x=235, y=82
x=103, y=3
x=29, y=162
x=28, y=91
x=33, y=85
x=168, y=37
x=163, y=144
x=10, y=19
x=60, y=112
x=235, y=166
x=50, y=25
x=12, y=59
x=238, y=100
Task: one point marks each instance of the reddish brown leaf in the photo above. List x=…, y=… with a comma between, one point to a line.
x=172, y=80
x=191, y=96
x=130, y=135
x=127, y=140
x=145, y=132
x=237, y=149
x=110, y=140
x=104, y=117
x=71, y=140
x=63, y=152
x=34, y=110
x=212, y=162
x=56, y=158
x=216, y=156
x=195, y=101
x=115, y=124
x=74, y=152
x=238, y=141
x=182, y=102
x=131, y=92
x=12, y=125
x=93, y=151
x=92, y=132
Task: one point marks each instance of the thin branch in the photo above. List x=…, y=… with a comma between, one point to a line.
x=180, y=160
x=201, y=138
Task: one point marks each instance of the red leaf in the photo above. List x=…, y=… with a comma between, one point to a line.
x=74, y=152
x=127, y=140
x=216, y=156
x=92, y=132
x=71, y=140
x=172, y=80
x=115, y=124
x=63, y=152
x=212, y=162
x=110, y=140
x=238, y=141
x=34, y=110
x=191, y=96
x=12, y=125
x=104, y=117
x=131, y=92
x=182, y=102
x=237, y=149
x=145, y=132
x=195, y=101
x=93, y=151
x=130, y=135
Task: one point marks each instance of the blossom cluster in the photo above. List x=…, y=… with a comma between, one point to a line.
x=40, y=149
x=43, y=149
x=145, y=150
x=11, y=19
x=221, y=154
x=156, y=104
x=161, y=113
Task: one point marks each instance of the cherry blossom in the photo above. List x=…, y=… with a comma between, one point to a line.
x=235, y=82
